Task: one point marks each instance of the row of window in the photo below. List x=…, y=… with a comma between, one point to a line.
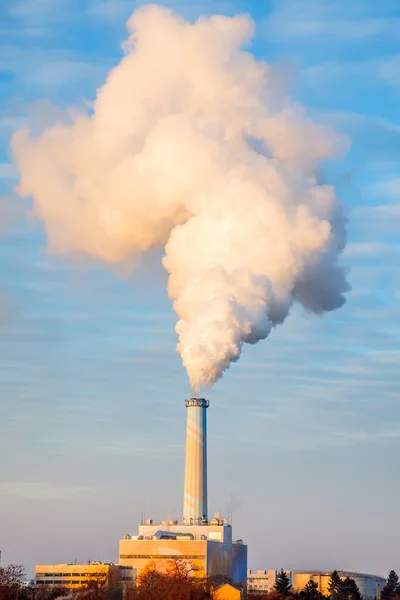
x=257, y=587
x=99, y=574
x=60, y=582
x=164, y=556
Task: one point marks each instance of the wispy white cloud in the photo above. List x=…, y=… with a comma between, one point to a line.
x=111, y=9
x=6, y=307
x=327, y=21
x=361, y=122
x=201, y=7
x=30, y=9
x=364, y=130
x=387, y=211
x=41, y=70
x=371, y=249
x=332, y=70
x=390, y=70
x=34, y=490
x=12, y=211
x=41, y=13
x=63, y=72
x=37, y=19
x=106, y=10
x=7, y=171
x=383, y=215
x=360, y=73
x=390, y=188
x=387, y=356
x=10, y=123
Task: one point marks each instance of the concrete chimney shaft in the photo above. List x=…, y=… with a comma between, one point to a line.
x=195, y=488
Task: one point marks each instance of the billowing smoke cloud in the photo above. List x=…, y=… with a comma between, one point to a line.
x=191, y=145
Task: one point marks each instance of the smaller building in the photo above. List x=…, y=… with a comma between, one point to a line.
x=226, y=591
x=370, y=586
x=263, y=581
x=95, y=574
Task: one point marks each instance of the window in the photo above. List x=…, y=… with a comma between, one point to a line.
x=164, y=556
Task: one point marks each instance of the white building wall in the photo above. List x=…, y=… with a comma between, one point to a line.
x=264, y=580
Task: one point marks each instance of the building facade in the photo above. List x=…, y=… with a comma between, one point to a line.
x=74, y=576
x=207, y=548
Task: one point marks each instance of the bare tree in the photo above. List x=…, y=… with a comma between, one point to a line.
x=179, y=581
x=12, y=579
x=12, y=575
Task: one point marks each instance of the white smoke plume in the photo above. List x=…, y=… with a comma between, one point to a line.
x=191, y=145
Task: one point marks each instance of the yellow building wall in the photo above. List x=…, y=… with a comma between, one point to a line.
x=77, y=576
x=140, y=553
x=301, y=579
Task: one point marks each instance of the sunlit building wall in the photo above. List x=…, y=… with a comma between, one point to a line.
x=370, y=586
x=208, y=548
x=74, y=576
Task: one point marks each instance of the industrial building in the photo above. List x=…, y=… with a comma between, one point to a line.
x=206, y=545
x=370, y=586
x=208, y=548
x=74, y=576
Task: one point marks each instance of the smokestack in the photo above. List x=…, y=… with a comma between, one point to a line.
x=195, y=488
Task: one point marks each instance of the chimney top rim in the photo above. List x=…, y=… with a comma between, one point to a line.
x=197, y=402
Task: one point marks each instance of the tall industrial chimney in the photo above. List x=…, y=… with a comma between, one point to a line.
x=195, y=489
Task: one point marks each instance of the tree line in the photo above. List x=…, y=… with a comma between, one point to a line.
x=181, y=582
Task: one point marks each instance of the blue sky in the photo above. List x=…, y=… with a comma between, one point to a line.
x=304, y=432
